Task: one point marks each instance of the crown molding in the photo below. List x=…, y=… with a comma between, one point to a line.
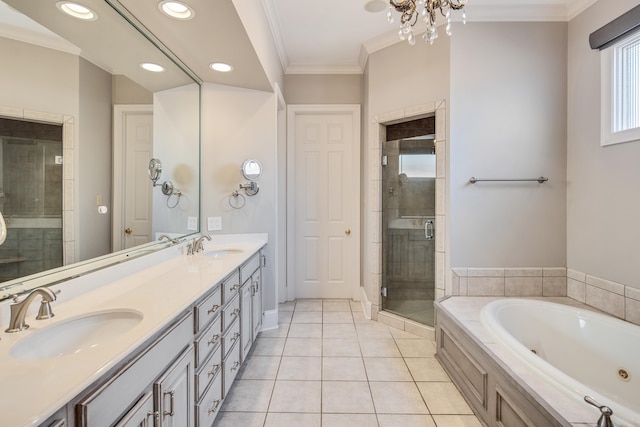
x=323, y=69
x=576, y=7
x=52, y=41
x=276, y=32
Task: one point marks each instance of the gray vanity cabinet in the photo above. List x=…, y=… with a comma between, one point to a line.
x=163, y=361
x=256, y=299
x=141, y=415
x=246, y=327
x=173, y=393
x=250, y=274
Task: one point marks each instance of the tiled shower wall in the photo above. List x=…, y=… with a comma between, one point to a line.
x=612, y=298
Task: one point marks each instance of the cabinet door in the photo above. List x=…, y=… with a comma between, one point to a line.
x=174, y=393
x=245, y=319
x=257, y=302
x=141, y=415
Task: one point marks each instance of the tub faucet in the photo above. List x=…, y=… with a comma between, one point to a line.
x=605, y=418
x=19, y=309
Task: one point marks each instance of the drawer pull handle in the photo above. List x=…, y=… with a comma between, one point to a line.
x=235, y=366
x=213, y=309
x=235, y=312
x=234, y=287
x=214, y=370
x=172, y=411
x=235, y=336
x=216, y=403
x=213, y=339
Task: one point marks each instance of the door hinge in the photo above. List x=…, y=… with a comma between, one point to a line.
x=384, y=160
x=383, y=291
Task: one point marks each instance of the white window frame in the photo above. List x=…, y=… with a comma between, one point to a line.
x=607, y=136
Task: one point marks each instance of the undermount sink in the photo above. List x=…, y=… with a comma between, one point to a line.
x=219, y=253
x=75, y=335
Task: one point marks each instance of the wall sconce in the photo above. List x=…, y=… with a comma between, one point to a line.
x=155, y=171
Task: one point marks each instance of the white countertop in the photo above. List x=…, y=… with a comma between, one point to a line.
x=31, y=391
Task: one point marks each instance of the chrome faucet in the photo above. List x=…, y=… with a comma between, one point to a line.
x=19, y=309
x=197, y=243
x=605, y=418
x=169, y=238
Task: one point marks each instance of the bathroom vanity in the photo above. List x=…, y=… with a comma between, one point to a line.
x=159, y=345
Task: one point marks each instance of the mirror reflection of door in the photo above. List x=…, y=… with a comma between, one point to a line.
x=132, y=188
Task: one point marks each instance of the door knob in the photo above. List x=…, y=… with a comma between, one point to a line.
x=347, y=231
x=128, y=230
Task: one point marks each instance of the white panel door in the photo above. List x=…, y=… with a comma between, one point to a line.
x=325, y=199
x=133, y=190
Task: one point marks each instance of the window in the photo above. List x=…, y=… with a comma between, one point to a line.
x=621, y=91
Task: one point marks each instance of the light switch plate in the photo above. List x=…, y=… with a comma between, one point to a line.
x=192, y=223
x=214, y=223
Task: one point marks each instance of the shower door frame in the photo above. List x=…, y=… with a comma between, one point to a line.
x=408, y=248
x=372, y=295
x=69, y=183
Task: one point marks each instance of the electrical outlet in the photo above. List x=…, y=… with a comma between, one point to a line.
x=214, y=223
x=192, y=223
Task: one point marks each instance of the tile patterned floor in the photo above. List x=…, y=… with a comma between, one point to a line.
x=328, y=366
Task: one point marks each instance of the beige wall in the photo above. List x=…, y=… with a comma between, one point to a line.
x=396, y=78
x=238, y=124
x=323, y=89
x=39, y=79
x=603, y=206
x=94, y=161
x=176, y=143
x=508, y=120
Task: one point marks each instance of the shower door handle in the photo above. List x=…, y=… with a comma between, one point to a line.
x=428, y=229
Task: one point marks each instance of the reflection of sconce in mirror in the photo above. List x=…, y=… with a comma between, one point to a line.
x=252, y=171
x=155, y=171
x=3, y=229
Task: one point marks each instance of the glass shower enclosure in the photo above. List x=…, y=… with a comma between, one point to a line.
x=408, y=227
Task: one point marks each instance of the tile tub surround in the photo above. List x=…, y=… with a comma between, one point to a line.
x=327, y=365
x=613, y=298
x=159, y=286
x=464, y=312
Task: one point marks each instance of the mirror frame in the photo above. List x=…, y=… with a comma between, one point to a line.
x=76, y=269
x=247, y=176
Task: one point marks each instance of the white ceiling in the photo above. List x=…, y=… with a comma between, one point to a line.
x=334, y=36
x=312, y=36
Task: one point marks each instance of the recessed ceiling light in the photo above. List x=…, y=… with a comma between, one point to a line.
x=77, y=10
x=176, y=9
x=221, y=66
x=150, y=66
x=375, y=5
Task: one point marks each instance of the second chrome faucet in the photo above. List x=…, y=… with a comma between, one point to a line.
x=19, y=309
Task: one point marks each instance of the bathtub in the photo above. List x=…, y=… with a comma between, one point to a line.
x=580, y=352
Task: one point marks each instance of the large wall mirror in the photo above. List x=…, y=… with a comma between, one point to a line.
x=80, y=120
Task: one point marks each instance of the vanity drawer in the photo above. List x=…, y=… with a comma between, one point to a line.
x=230, y=287
x=209, y=405
x=249, y=267
x=230, y=313
x=231, y=366
x=230, y=337
x=208, y=371
x=208, y=309
x=207, y=342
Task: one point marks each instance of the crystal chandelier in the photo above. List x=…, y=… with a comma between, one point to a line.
x=410, y=15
